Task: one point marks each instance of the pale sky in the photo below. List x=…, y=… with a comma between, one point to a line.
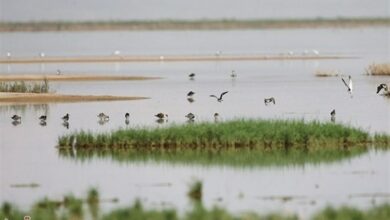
x=76, y=10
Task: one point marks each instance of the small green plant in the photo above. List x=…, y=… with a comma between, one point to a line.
x=195, y=192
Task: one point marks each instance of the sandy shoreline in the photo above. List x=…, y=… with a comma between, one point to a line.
x=23, y=98
x=69, y=77
x=170, y=58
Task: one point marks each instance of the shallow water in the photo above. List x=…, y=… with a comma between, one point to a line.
x=28, y=153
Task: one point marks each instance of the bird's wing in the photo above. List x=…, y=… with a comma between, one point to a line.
x=222, y=94
x=379, y=88
x=345, y=83
x=214, y=96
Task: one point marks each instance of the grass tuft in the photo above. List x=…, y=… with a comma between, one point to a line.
x=378, y=69
x=23, y=87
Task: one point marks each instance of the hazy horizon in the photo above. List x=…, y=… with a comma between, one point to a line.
x=92, y=10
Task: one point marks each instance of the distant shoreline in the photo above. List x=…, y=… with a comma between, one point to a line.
x=224, y=24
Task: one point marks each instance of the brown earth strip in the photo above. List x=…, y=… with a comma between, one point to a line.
x=11, y=98
x=70, y=77
x=171, y=58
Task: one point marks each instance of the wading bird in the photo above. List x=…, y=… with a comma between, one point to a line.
x=16, y=118
x=66, y=117
x=190, y=116
x=333, y=115
x=233, y=74
x=192, y=76
x=219, y=99
x=43, y=118
x=161, y=115
x=190, y=94
x=269, y=100
x=216, y=117
x=127, y=118
x=103, y=117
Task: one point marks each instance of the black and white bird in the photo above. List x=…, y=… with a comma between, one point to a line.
x=216, y=117
x=333, y=115
x=382, y=86
x=16, y=118
x=66, y=117
x=269, y=100
x=219, y=99
x=349, y=85
x=190, y=94
x=190, y=116
x=127, y=118
x=192, y=76
x=161, y=115
x=103, y=117
x=43, y=118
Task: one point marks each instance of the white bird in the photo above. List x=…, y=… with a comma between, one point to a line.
x=9, y=54
x=315, y=52
x=349, y=85
x=117, y=52
x=42, y=54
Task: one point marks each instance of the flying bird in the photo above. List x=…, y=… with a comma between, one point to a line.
x=219, y=99
x=382, y=86
x=269, y=100
x=349, y=85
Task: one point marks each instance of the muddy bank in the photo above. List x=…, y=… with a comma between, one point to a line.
x=70, y=77
x=21, y=98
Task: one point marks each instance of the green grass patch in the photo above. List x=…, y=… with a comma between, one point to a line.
x=73, y=208
x=233, y=143
x=23, y=87
x=237, y=134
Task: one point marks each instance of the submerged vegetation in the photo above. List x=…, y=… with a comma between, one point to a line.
x=192, y=24
x=379, y=69
x=23, y=87
x=73, y=208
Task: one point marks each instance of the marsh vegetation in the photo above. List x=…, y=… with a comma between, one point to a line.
x=23, y=87
x=377, y=69
x=71, y=207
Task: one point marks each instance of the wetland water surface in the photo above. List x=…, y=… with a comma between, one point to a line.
x=28, y=153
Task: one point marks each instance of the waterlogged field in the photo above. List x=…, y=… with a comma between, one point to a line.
x=352, y=170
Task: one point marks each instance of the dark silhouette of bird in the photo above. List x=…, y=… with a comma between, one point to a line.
x=219, y=99
x=127, y=118
x=216, y=117
x=349, y=85
x=190, y=99
x=269, y=100
x=43, y=117
x=66, y=117
x=190, y=116
x=233, y=74
x=191, y=75
x=382, y=86
x=333, y=115
x=16, y=117
x=190, y=94
x=42, y=123
x=161, y=115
